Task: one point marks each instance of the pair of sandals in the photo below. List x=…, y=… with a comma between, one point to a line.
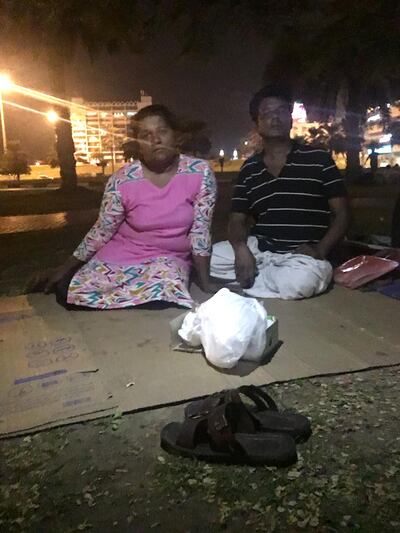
x=224, y=429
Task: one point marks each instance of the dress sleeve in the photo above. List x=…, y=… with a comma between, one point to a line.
x=200, y=233
x=111, y=215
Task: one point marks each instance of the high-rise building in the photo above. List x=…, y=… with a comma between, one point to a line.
x=99, y=129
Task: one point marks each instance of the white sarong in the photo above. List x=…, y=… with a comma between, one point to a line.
x=287, y=276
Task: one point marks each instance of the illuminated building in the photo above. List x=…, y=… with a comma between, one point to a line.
x=100, y=128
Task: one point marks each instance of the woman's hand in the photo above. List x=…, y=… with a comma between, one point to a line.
x=47, y=280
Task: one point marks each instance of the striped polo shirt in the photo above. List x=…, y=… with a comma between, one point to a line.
x=293, y=208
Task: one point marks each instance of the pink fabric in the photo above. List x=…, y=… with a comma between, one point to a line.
x=140, y=246
x=157, y=221
x=139, y=221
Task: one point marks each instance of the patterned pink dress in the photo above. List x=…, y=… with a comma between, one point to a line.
x=139, y=250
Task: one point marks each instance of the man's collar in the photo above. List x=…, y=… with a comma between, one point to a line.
x=294, y=147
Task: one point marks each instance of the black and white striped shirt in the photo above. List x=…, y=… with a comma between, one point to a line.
x=291, y=209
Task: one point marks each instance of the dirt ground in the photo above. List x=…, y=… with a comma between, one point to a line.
x=111, y=475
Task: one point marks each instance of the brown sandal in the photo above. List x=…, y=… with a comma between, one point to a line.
x=227, y=434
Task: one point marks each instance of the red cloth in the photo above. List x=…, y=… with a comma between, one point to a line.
x=362, y=269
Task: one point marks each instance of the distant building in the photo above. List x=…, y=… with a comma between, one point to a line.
x=382, y=133
x=100, y=128
x=300, y=124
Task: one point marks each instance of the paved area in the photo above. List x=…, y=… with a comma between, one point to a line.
x=26, y=223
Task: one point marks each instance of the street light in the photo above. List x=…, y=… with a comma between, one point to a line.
x=52, y=116
x=221, y=159
x=5, y=85
x=5, y=82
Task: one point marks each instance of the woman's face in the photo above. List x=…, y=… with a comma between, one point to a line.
x=156, y=139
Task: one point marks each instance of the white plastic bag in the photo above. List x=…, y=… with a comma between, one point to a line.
x=228, y=326
x=191, y=329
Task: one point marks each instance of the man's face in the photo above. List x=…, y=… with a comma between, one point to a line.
x=274, y=118
x=156, y=139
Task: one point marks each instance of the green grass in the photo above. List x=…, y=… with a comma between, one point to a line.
x=38, y=202
x=371, y=221
x=31, y=253
x=42, y=201
x=373, y=191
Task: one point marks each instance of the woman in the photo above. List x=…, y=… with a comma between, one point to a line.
x=153, y=225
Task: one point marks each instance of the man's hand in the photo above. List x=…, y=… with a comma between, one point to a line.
x=309, y=249
x=245, y=266
x=213, y=286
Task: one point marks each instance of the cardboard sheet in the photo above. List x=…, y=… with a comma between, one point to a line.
x=58, y=367
x=47, y=373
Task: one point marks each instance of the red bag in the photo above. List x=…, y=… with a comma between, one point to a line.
x=390, y=253
x=362, y=269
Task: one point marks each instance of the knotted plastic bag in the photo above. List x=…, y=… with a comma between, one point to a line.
x=228, y=326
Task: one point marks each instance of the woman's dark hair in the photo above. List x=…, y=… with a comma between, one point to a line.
x=155, y=110
x=273, y=90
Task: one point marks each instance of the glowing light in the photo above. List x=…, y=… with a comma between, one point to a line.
x=221, y=153
x=374, y=118
x=385, y=138
x=30, y=109
x=5, y=82
x=37, y=163
x=235, y=154
x=299, y=112
x=385, y=149
x=246, y=143
x=37, y=95
x=52, y=116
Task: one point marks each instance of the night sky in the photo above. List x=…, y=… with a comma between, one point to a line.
x=216, y=90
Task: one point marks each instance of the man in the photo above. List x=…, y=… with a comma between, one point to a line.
x=296, y=198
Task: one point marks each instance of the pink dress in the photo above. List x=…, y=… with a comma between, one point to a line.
x=139, y=250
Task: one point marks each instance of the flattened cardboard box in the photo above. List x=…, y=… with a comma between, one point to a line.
x=47, y=372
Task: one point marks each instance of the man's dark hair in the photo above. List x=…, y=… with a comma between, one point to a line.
x=155, y=110
x=273, y=90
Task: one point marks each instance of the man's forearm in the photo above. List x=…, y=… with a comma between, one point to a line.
x=238, y=232
x=335, y=233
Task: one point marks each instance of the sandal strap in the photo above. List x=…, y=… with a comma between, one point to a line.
x=190, y=432
x=204, y=407
x=218, y=426
x=262, y=400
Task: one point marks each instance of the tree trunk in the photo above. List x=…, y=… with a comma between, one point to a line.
x=352, y=126
x=64, y=142
x=65, y=151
